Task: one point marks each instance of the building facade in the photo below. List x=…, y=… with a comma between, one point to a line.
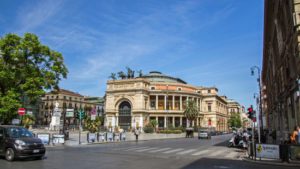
x=132, y=103
x=281, y=66
x=68, y=100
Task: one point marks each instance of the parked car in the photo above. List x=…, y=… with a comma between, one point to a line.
x=18, y=142
x=204, y=133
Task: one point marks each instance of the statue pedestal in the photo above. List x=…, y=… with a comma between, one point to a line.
x=55, y=123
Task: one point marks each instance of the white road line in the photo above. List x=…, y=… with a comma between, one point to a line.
x=130, y=149
x=201, y=152
x=217, y=152
x=146, y=149
x=186, y=152
x=159, y=150
x=173, y=151
x=231, y=155
x=124, y=148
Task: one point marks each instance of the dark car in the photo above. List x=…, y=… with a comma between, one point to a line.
x=18, y=142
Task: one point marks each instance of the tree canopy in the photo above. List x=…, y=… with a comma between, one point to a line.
x=191, y=112
x=235, y=120
x=27, y=68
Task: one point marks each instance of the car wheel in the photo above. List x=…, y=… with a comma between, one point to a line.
x=9, y=154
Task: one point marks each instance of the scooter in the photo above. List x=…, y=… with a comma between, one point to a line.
x=236, y=141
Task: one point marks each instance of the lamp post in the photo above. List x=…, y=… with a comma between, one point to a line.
x=256, y=97
x=253, y=68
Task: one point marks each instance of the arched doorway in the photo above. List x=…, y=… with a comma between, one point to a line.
x=125, y=115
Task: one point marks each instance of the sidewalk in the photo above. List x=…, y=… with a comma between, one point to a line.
x=266, y=161
x=74, y=137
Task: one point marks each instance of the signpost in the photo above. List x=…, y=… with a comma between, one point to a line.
x=21, y=111
x=93, y=114
x=80, y=115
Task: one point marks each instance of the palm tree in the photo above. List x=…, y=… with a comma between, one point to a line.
x=129, y=73
x=112, y=76
x=140, y=72
x=121, y=75
x=191, y=112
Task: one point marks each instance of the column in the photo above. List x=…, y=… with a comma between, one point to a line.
x=157, y=122
x=197, y=122
x=173, y=121
x=165, y=122
x=197, y=100
x=165, y=102
x=156, y=102
x=180, y=121
x=117, y=120
x=173, y=103
x=180, y=102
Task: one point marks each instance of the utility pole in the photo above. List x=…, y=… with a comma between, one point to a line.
x=260, y=121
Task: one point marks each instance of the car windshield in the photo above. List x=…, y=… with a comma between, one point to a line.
x=18, y=132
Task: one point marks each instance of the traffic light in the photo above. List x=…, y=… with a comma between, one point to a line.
x=80, y=114
x=250, y=112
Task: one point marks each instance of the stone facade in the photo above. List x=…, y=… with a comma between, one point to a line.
x=132, y=103
x=281, y=66
x=68, y=100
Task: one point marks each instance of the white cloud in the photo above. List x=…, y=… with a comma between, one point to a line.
x=31, y=17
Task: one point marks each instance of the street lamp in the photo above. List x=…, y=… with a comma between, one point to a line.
x=253, y=68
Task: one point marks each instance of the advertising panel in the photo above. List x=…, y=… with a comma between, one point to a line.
x=45, y=137
x=58, y=139
x=267, y=151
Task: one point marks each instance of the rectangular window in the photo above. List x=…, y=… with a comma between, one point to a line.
x=209, y=107
x=208, y=91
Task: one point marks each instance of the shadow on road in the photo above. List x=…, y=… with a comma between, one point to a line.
x=207, y=163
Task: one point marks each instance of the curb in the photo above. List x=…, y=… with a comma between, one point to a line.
x=113, y=142
x=270, y=163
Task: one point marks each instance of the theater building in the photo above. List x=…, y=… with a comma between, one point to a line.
x=132, y=103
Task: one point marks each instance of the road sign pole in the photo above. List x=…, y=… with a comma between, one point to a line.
x=79, y=127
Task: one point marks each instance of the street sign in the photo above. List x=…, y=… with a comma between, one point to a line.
x=70, y=113
x=21, y=111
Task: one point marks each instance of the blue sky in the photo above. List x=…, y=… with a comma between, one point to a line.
x=204, y=42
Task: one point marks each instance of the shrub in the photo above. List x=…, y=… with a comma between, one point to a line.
x=148, y=128
x=170, y=131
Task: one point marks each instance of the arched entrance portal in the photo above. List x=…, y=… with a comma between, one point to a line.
x=124, y=115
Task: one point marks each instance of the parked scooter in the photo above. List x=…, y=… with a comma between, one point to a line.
x=238, y=141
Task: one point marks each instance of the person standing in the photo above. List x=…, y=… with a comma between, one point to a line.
x=136, y=133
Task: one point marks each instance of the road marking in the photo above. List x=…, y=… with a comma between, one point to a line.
x=173, y=151
x=159, y=150
x=231, y=155
x=216, y=153
x=201, y=152
x=130, y=149
x=124, y=148
x=146, y=149
x=186, y=152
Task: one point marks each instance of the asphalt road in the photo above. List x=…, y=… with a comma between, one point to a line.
x=183, y=153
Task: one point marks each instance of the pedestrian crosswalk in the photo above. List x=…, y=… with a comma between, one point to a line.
x=210, y=152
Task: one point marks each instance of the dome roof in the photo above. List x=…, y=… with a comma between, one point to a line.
x=156, y=76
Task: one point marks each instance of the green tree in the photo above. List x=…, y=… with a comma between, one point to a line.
x=27, y=68
x=191, y=112
x=235, y=120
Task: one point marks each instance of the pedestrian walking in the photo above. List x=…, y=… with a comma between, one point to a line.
x=137, y=133
x=298, y=128
x=294, y=135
